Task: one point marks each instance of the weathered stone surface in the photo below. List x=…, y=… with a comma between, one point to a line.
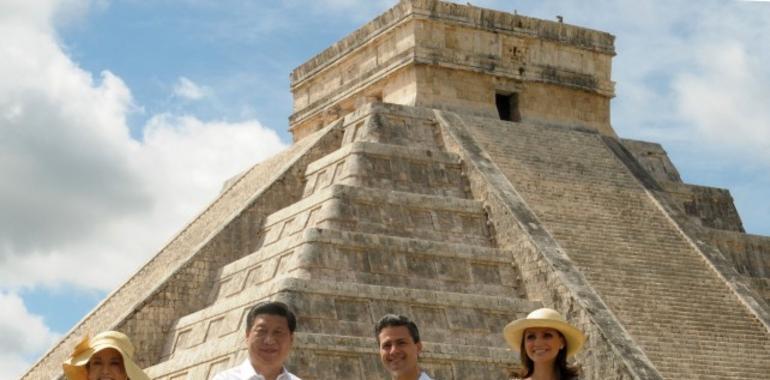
x=654, y=160
x=441, y=55
x=389, y=167
x=708, y=206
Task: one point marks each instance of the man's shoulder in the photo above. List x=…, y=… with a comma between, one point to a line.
x=292, y=376
x=233, y=373
x=245, y=371
x=424, y=376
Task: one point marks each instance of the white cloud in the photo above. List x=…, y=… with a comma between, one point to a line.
x=63, y=141
x=724, y=91
x=21, y=334
x=727, y=99
x=181, y=165
x=188, y=89
x=13, y=366
x=38, y=14
x=86, y=203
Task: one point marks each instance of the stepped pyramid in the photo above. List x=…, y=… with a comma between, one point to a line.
x=457, y=165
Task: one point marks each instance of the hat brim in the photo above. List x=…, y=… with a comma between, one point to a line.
x=75, y=368
x=514, y=333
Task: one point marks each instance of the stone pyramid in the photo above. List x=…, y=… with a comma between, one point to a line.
x=457, y=165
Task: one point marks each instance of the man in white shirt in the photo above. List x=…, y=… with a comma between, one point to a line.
x=400, y=347
x=269, y=336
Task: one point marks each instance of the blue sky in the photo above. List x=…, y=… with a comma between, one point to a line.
x=119, y=121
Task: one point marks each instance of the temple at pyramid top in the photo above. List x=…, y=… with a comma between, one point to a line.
x=461, y=58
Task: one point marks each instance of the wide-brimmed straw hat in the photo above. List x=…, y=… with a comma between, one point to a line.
x=75, y=366
x=544, y=317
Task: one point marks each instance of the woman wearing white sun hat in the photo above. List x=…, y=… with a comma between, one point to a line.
x=107, y=355
x=544, y=341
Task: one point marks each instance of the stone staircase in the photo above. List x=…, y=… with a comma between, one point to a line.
x=679, y=311
x=386, y=225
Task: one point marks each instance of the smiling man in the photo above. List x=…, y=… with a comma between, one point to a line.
x=400, y=347
x=269, y=337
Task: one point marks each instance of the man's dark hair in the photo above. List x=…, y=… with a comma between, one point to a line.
x=393, y=320
x=271, y=308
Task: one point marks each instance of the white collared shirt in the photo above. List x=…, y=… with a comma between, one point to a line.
x=246, y=371
x=424, y=376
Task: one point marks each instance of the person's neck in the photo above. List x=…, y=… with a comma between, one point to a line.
x=544, y=371
x=411, y=375
x=270, y=373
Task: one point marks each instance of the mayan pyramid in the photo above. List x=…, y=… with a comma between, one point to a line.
x=457, y=165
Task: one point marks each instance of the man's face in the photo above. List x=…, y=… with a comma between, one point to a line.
x=269, y=341
x=398, y=351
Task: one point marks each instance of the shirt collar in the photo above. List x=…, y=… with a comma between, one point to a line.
x=248, y=369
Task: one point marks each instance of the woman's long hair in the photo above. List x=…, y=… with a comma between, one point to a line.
x=564, y=371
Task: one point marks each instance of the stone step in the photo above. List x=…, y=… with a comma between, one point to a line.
x=706, y=371
x=346, y=256
x=660, y=242
x=727, y=367
x=407, y=215
x=723, y=328
x=705, y=368
x=394, y=125
x=649, y=307
x=680, y=276
x=649, y=267
x=652, y=280
x=705, y=354
x=259, y=267
x=390, y=167
x=655, y=303
x=742, y=337
x=658, y=237
x=714, y=369
x=321, y=356
x=672, y=293
x=352, y=309
x=381, y=211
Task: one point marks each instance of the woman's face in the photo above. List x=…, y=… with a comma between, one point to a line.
x=107, y=364
x=543, y=344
